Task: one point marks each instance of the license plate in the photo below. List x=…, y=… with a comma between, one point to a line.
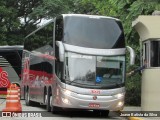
x=94, y=105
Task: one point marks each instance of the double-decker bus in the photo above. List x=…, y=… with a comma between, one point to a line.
x=76, y=61
x=10, y=67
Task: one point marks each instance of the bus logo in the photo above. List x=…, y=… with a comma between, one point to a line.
x=94, y=97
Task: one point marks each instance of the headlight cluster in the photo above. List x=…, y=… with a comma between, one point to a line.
x=68, y=92
x=66, y=101
x=65, y=98
x=119, y=95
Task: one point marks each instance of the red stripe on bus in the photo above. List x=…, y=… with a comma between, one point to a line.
x=3, y=92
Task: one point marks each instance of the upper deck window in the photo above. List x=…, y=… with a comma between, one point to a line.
x=41, y=38
x=59, y=29
x=104, y=33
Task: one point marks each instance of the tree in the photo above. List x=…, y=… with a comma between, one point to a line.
x=31, y=12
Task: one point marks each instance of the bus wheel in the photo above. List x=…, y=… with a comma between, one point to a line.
x=49, y=100
x=27, y=97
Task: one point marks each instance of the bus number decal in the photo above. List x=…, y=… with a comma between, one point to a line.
x=4, y=82
x=95, y=91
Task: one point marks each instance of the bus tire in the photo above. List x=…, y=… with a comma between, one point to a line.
x=49, y=100
x=27, y=97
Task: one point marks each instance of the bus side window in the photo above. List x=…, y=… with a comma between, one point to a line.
x=59, y=29
x=59, y=69
x=58, y=37
x=58, y=65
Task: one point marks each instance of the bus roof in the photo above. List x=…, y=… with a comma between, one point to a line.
x=16, y=47
x=89, y=16
x=69, y=15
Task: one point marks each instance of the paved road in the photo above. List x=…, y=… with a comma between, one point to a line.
x=65, y=115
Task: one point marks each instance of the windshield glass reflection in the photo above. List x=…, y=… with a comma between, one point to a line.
x=94, y=71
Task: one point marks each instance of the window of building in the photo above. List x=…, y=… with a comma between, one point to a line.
x=155, y=54
x=151, y=53
x=145, y=55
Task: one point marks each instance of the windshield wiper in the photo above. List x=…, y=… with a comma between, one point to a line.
x=100, y=86
x=70, y=82
x=74, y=81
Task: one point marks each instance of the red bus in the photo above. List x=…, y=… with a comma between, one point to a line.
x=10, y=67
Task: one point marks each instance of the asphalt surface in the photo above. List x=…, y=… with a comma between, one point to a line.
x=63, y=115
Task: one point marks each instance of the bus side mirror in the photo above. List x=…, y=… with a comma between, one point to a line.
x=132, y=55
x=61, y=50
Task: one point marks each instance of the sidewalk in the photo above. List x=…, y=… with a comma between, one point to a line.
x=130, y=109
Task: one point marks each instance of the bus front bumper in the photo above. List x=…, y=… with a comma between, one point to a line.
x=68, y=99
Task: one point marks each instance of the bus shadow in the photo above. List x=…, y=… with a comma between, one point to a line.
x=74, y=113
x=79, y=113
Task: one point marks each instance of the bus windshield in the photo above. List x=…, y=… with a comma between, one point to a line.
x=93, y=32
x=94, y=71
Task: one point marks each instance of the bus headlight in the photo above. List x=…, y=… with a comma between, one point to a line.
x=65, y=100
x=68, y=92
x=119, y=95
x=120, y=104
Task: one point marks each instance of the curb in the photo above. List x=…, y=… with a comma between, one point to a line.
x=134, y=118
